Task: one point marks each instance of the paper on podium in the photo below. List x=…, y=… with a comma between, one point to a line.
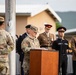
x=40, y=48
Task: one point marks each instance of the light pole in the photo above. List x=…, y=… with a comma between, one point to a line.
x=11, y=28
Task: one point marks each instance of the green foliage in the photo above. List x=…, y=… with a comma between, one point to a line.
x=58, y=25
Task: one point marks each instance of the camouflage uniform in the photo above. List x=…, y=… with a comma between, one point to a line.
x=6, y=45
x=26, y=45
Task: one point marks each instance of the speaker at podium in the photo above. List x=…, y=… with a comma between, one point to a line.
x=43, y=62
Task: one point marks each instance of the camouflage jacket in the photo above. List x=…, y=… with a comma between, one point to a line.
x=29, y=43
x=6, y=45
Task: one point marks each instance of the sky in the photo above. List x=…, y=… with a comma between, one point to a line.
x=57, y=5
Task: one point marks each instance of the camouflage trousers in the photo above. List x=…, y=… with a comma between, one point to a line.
x=26, y=73
x=26, y=66
x=4, y=69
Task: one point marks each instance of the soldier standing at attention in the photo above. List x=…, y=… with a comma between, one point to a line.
x=6, y=46
x=73, y=46
x=28, y=43
x=46, y=38
x=61, y=45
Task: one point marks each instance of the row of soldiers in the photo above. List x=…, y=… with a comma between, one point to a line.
x=45, y=40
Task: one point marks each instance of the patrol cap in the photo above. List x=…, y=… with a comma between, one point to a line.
x=47, y=25
x=28, y=26
x=61, y=29
x=1, y=19
x=35, y=29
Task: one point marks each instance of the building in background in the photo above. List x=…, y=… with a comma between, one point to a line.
x=34, y=14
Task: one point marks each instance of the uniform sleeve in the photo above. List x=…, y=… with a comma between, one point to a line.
x=39, y=38
x=75, y=51
x=18, y=45
x=25, y=46
x=73, y=45
x=52, y=37
x=54, y=45
x=68, y=47
x=10, y=44
x=38, y=44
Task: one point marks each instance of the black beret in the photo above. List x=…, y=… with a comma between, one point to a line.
x=61, y=28
x=28, y=26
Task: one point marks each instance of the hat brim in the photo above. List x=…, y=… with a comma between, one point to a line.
x=61, y=28
x=61, y=31
x=49, y=26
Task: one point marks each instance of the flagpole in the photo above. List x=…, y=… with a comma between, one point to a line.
x=10, y=19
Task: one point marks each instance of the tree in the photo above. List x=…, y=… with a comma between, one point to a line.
x=58, y=25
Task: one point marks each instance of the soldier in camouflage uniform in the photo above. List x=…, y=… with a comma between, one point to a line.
x=73, y=46
x=28, y=43
x=6, y=45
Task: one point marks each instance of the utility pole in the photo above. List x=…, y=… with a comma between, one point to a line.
x=11, y=28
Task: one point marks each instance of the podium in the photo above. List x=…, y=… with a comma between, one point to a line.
x=43, y=62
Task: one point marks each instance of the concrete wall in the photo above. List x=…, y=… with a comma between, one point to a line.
x=21, y=21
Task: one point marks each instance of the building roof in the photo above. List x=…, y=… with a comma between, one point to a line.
x=32, y=10
x=69, y=31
